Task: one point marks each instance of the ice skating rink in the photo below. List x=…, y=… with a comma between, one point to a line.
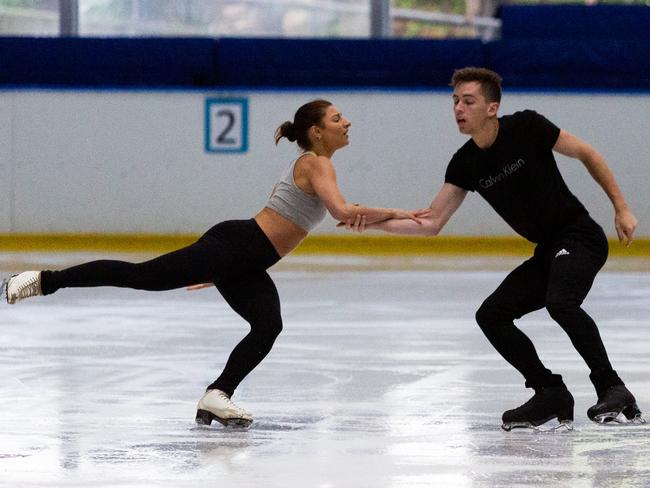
x=381, y=378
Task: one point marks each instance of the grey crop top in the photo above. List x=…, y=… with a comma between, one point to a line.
x=301, y=208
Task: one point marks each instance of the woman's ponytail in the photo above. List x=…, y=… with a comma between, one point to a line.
x=287, y=130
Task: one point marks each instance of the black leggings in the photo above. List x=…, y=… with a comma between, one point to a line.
x=558, y=277
x=234, y=255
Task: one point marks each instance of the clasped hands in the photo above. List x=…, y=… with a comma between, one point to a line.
x=359, y=223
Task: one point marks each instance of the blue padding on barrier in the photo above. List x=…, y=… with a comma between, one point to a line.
x=316, y=62
x=107, y=62
x=172, y=62
x=583, y=64
x=623, y=22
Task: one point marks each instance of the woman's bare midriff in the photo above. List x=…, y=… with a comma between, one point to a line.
x=283, y=234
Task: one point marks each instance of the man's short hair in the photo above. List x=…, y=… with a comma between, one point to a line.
x=490, y=81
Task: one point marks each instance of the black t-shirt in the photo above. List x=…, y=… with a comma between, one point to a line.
x=518, y=176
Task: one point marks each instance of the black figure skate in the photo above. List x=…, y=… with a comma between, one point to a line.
x=547, y=403
x=614, y=401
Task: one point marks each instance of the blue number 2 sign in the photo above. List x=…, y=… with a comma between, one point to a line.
x=226, y=125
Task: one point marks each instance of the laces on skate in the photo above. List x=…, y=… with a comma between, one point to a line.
x=216, y=405
x=23, y=285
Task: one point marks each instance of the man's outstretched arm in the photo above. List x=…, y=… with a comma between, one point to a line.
x=573, y=147
x=432, y=218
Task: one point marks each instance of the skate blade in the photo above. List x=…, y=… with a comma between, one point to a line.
x=636, y=420
x=563, y=426
x=204, y=417
x=633, y=414
x=615, y=418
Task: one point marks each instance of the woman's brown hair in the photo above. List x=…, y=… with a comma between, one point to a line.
x=309, y=114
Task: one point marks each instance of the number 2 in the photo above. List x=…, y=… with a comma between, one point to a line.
x=223, y=138
x=226, y=125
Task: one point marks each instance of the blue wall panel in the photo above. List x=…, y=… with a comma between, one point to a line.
x=396, y=63
x=107, y=62
x=586, y=64
x=576, y=22
x=574, y=47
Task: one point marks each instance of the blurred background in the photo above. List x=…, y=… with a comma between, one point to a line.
x=272, y=18
x=132, y=118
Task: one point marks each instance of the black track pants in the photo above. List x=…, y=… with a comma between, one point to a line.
x=558, y=277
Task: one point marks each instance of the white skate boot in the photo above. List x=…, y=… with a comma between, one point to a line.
x=216, y=405
x=24, y=285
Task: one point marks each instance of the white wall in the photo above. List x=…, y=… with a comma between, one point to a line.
x=6, y=162
x=134, y=161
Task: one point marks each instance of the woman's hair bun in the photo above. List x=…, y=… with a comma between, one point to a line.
x=287, y=130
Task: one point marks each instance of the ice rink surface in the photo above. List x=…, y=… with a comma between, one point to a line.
x=381, y=378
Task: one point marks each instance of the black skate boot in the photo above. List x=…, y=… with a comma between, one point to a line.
x=547, y=403
x=615, y=400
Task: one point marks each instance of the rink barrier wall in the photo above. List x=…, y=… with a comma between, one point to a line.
x=135, y=163
x=373, y=245
x=203, y=63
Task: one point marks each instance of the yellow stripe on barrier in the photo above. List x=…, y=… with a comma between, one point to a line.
x=407, y=245
x=372, y=245
x=93, y=242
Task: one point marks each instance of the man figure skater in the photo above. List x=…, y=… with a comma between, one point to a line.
x=509, y=161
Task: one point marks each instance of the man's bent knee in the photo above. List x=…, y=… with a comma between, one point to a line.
x=486, y=315
x=559, y=309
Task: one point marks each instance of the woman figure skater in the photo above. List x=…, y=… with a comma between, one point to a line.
x=234, y=255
